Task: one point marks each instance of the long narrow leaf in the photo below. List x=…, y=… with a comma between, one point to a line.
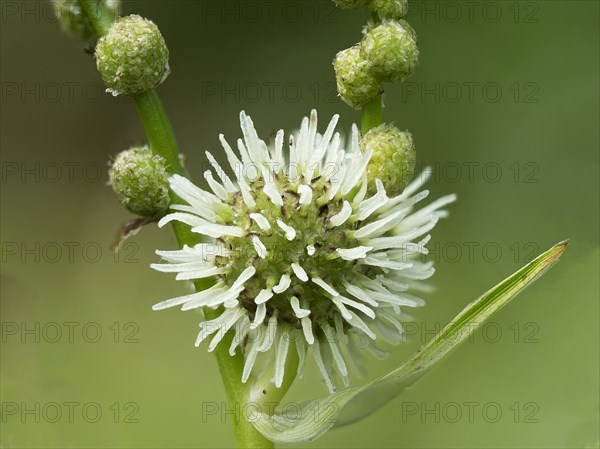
x=313, y=418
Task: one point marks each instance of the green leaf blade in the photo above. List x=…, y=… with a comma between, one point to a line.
x=313, y=418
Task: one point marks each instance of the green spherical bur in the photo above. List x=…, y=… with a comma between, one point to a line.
x=350, y=4
x=394, y=158
x=133, y=56
x=391, y=49
x=356, y=84
x=139, y=180
x=389, y=9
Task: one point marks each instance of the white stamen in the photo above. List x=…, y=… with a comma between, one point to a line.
x=270, y=335
x=299, y=272
x=224, y=326
x=306, y=194
x=198, y=274
x=307, y=330
x=280, y=357
x=259, y=246
x=298, y=311
x=188, y=219
x=342, y=308
x=259, y=317
x=343, y=215
x=279, y=151
x=325, y=286
x=360, y=252
x=391, y=264
x=364, y=309
x=217, y=188
x=369, y=206
x=263, y=296
x=271, y=191
x=378, y=227
x=204, y=251
x=243, y=277
x=301, y=350
x=284, y=283
x=229, y=186
x=359, y=293
x=335, y=350
x=339, y=328
x=250, y=359
x=261, y=221
x=217, y=230
x=208, y=293
x=321, y=365
x=240, y=333
x=237, y=166
x=290, y=233
x=311, y=250
x=358, y=323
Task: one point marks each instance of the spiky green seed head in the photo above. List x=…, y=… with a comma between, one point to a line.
x=350, y=4
x=394, y=158
x=391, y=50
x=390, y=9
x=139, y=180
x=73, y=20
x=356, y=84
x=133, y=56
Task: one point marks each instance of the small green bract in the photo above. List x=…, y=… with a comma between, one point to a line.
x=391, y=49
x=355, y=81
x=139, y=179
x=394, y=157
x=133, y=56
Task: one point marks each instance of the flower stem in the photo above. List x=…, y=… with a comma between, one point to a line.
x=98, y=14
x=371, y=115
x=158, y=129
x=161, y=140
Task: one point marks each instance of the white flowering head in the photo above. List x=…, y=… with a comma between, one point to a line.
x=305, y=259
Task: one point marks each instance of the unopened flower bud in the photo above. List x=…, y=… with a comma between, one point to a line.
x=74, y=21
x=139, y=179
x=133, y=56
x=394, y=158
x=391, y=49
x=350, y=4
x=389, y=9
x=355, y=82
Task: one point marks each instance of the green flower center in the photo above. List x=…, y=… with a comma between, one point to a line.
x=313, y=248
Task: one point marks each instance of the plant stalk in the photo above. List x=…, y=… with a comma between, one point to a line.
x=161, y=140
x=371, y=115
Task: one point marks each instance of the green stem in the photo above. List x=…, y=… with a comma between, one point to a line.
x=230, y=367
x=99, y=15
x=371, y=115
x=159, y=132
x=161, y=140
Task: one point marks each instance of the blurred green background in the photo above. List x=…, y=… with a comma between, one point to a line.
x=504, y=106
